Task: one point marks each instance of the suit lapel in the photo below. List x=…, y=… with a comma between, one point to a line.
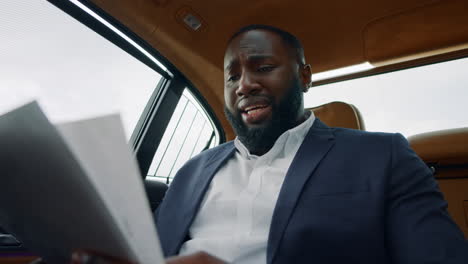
x=318, y=141
x=192, y=203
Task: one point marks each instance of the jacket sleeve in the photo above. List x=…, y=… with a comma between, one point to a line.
x=419, y=228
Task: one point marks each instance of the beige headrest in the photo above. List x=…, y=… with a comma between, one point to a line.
x=444, y=147
x=339, y=114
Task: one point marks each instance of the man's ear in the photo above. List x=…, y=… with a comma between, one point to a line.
x=306, y=76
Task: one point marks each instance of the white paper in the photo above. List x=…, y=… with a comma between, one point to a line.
x=74, y=189
x=100, y=146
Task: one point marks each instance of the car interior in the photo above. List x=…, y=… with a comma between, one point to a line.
x=188, y=39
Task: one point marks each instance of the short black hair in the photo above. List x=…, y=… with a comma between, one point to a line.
x=288, y=38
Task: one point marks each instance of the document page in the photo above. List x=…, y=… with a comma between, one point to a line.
x=100, y=146
x=76, y=187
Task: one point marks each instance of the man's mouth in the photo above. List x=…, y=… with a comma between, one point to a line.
x=254, y=108
x=255, y=114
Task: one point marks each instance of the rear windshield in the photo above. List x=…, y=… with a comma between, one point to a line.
x=411, y=101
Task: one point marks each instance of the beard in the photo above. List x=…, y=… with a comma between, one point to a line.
x=260, y=140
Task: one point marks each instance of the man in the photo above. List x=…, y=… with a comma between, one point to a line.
x=289, y=189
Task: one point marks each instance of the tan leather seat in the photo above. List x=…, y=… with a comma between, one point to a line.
x=339, y=114
x=446, y=151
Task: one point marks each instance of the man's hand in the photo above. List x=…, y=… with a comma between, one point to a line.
x=90, y=257
x=197, y=258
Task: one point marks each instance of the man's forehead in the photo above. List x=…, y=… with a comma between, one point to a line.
x=253, y=42
x=259, y=38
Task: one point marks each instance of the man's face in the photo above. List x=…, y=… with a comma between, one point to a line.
x=263, y=84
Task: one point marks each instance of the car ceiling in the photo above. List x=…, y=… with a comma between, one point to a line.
x=390, y=34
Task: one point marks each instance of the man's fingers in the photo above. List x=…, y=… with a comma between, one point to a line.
x=92, y=257
x=197, y=258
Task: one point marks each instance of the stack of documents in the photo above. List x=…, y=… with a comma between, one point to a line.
x=73, y=186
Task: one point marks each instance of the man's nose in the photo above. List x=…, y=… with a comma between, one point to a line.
x=247, y=85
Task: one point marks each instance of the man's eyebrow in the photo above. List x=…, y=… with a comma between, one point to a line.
x=256, y=58
x=250, y=58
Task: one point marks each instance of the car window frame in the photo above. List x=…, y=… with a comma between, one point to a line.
x=161, y=105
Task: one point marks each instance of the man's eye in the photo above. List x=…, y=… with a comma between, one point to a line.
x=267, y=68
x=233, y=78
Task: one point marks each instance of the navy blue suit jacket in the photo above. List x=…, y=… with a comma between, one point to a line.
x=348, y=197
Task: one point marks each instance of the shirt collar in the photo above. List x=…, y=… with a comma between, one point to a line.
x=293, y=135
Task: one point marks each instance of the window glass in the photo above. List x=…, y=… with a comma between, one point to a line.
x=73, y=72
x=190, y=131
x=411, y=101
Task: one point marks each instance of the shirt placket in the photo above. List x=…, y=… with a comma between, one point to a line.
x=246, y=202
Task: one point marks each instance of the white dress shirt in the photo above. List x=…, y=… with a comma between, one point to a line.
x=234, y=219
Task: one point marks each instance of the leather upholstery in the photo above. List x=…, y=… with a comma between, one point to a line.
x=446, y=151
x=155, y=192
x=443, y=147
x=339, y=114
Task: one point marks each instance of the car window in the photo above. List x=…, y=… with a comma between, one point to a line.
x=74, y=73
x=190, y=131
x=409, y=101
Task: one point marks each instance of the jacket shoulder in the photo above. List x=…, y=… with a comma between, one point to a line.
x=210, y=154
x=359, y=136
x=203, y=159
